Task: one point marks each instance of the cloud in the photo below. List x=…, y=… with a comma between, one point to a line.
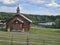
x=36, y=1
x=45, y=12
x=9, y=1
x=26, y=4
x=13, y=9
x=46, y=3
x=53, y=4
x=9, y=9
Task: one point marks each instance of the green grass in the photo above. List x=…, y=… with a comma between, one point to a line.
x=37, y=36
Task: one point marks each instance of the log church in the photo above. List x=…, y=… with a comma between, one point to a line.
x=18, y=23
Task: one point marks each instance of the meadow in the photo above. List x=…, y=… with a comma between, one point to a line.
x=37, y=36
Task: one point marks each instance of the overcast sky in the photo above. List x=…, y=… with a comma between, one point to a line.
x=42, y=7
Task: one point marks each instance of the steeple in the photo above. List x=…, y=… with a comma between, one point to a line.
x=18, y=10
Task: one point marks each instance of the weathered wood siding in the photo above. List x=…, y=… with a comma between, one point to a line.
x=25, y=25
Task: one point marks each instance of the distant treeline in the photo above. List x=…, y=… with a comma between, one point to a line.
x=35, y=18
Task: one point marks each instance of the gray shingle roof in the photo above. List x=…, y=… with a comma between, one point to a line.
x=19, y=20
x=26, y=18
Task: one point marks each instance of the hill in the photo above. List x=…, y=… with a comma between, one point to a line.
x=35, y=18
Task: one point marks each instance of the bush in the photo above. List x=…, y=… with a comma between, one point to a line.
x=57, y=23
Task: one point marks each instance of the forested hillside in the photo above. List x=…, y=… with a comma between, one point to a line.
x=34, y=18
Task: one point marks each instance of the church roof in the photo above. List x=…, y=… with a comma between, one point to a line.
x=25, y=18
x=19, y=20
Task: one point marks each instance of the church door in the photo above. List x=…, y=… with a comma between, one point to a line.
x=17, y=26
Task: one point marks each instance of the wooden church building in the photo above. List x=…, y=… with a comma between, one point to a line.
x=18, y=23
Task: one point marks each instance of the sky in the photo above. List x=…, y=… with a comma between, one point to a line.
x=41, y=7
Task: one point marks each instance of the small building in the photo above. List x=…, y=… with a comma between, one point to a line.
x=18, y=23
x=46, y=24
x=1, y=23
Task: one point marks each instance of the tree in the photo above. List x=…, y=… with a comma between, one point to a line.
x=57, y=23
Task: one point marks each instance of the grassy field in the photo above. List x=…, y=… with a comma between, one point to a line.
x=37, y=36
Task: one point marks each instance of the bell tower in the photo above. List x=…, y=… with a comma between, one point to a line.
x=18, y=10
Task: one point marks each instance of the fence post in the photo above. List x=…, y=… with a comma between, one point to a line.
x=12, y=39
x=27, y=38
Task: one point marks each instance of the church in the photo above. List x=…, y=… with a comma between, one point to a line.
x=18, y=22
